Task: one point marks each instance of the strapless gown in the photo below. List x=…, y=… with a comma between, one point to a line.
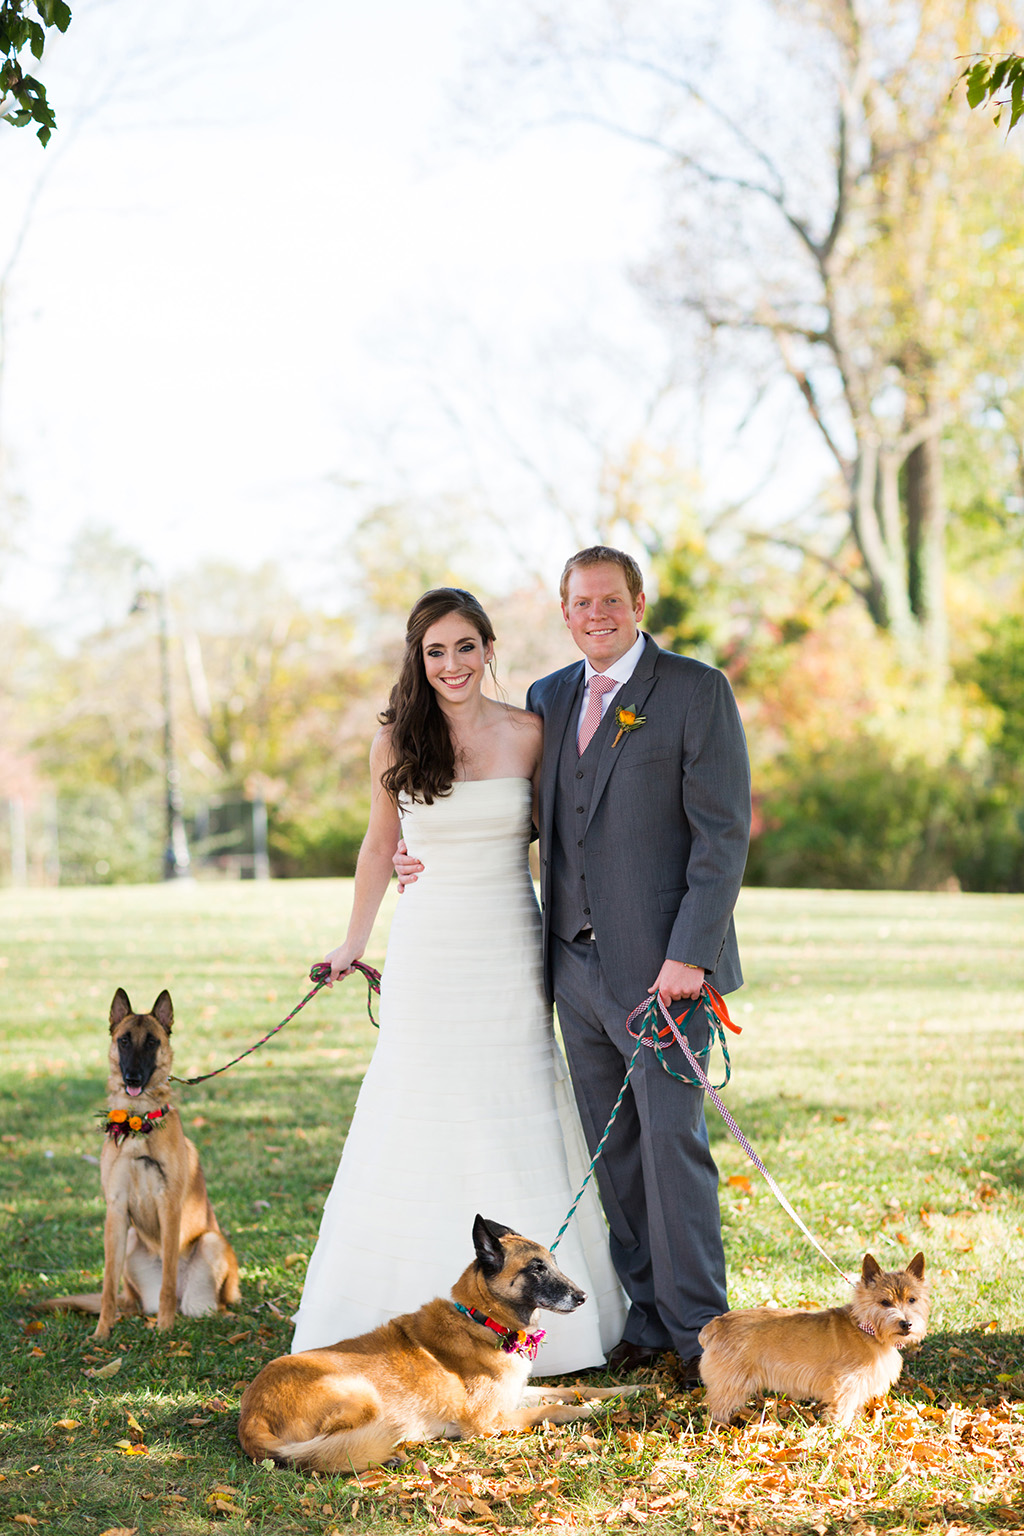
x=466, y=1106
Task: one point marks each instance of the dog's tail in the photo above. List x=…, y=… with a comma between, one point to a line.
x=344, y=1451
x=86, y=1303
x=350, y=1435
x=709, y=1332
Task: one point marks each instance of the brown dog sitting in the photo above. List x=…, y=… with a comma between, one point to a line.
x=843, y=1357
x=454, y=1368
x=160, y=1236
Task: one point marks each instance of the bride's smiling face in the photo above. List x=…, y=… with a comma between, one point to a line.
x=455, y=656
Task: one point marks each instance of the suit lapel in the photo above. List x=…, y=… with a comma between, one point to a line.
x=556, y=722
x=634, y=693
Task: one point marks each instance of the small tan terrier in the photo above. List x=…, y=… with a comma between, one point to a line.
x=842, y=1357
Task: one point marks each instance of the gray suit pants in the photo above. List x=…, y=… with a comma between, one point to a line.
x=658, y=1180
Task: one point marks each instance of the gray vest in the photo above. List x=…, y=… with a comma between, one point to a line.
x=570, y=910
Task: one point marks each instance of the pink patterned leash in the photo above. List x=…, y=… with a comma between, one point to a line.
x=716, y=1100
x=320, y=975
x=717, y=1006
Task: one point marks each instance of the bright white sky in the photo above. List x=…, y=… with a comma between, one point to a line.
x=247, y=271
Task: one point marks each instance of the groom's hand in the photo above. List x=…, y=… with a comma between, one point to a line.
x=676, y=980
x=406, y=867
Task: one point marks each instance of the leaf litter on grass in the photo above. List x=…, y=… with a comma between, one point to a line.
x=907, y=1464
x=868, y=1164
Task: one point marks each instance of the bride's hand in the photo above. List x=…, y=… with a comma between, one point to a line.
x=406, y=867
x=342, y=961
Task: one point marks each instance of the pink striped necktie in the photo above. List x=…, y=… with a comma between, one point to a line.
x=599, y=685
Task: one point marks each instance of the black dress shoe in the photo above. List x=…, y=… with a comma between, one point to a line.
x=627, y=1356
x=687, y=1372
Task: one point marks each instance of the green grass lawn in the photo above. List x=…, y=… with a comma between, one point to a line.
x=879, y=1075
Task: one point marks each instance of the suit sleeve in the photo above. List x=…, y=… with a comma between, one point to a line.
x=716, y=804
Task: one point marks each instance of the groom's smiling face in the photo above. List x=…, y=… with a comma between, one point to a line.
x=602, y=617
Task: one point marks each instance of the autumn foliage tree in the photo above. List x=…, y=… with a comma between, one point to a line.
x=837, y=224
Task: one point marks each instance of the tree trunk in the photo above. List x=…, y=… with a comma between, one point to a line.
x=874, y=496
x=926, y=550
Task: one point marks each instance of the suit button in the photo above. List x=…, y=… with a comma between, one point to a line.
x=578, y=845
x=579, y=773
x=587, y=911
x=579, y=810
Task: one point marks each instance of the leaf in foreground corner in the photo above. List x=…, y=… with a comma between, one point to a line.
x=110, y=1369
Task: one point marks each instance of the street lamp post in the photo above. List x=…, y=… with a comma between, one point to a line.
x=177, y=865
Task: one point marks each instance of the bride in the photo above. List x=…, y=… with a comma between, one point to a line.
x=466, y=1106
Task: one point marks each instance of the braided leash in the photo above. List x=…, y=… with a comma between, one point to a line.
x=717, y=1015
x=320, y=975
x=600, y=1149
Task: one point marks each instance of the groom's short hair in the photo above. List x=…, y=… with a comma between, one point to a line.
x=603, y=554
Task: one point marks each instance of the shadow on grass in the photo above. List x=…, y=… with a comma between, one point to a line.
x=910, y=1516
x=285, y=1090
x=766, y=1120
x=966, y=1366
x=269, y=1146
x=1008, y=1162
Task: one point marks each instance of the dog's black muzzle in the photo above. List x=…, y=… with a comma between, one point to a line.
x=559, y=1296
x=137, y=1060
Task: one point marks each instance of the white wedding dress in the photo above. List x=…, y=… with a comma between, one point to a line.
x=466, y=1106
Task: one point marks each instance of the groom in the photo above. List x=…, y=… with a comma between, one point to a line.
x=644, y=823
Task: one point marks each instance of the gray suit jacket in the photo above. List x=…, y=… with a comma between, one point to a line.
x=666, y=838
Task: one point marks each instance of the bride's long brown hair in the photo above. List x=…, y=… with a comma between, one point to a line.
x=422, y=751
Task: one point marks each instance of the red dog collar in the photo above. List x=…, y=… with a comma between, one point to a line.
x=515, y=1341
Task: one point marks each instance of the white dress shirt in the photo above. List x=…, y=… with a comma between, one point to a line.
x=621, y=671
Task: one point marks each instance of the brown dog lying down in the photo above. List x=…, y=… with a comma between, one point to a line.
x=161, y=1235
x=454, y=1368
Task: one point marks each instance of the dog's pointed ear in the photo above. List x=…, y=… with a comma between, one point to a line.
x=496, y=1229
x=120, y=1008
x=487, y=1237
x=163, y=1010
x=870, y=1270
x=916, y=1266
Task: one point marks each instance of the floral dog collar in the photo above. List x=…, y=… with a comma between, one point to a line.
x=119, y=1124
x=515, y=1341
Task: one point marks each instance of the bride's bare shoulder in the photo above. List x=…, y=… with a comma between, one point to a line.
x=381, y=750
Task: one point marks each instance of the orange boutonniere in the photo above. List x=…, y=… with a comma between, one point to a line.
x=627, y=720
